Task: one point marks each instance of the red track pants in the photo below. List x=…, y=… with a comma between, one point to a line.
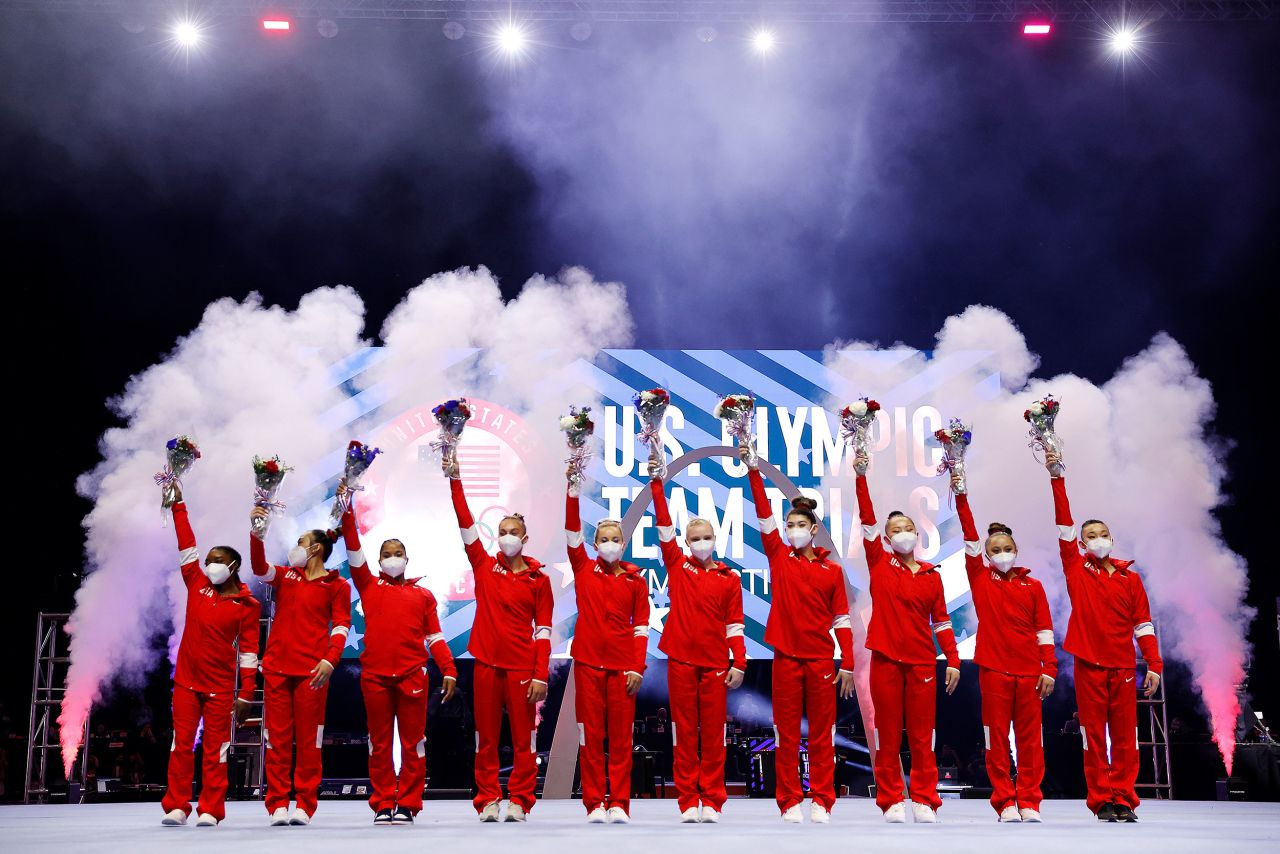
x=294, y=718
x=188, y=708
x=799, y=686
x=904, y=694
x=604, y=708
x=388, y=701
x=1012, y=700
x=1108, y=702
x=495, y=689
x=697, y=733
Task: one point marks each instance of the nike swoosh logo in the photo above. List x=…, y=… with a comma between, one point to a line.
x=526, y=681
x=721, y=673
x=1130, y=679
x=418, y=691
x=930, y=679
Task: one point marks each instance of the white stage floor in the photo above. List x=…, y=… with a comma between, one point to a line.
x=560, y=826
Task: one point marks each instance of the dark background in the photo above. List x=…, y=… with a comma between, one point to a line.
x=918, y=169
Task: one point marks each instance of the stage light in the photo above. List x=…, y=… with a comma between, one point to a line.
x=1038, y=29
x=511, y=39
x=1124, y=41
x=186, y=34
x=763, y=41
x=275, y=25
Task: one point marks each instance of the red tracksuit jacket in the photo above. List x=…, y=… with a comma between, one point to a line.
x=512, y=626
x=809, y=600
x=216, y=625
x=904, y=603
x=1015, y=629
x=312, y=617
x=706, y=618
x=1107, y=610
x=400, y=619
x=612, y=632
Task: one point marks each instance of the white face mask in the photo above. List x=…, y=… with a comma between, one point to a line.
x=297, y=557
x=702, y=549
x=393, y=566
x=217, y=573
x=510, y=544
x=1099, y=548
x=610, y=551
x=1004, y=560
x=904, y=542
x=799, y=537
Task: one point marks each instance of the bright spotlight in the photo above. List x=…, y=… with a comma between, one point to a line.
x=1124, y=41
x=763, y=41
x=187, y=34
x=511, y=39
x=1038, y=29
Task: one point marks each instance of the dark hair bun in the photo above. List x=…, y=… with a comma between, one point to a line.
x=803, y=502
x=332, y=535
x=894, y=513
x=999, y=528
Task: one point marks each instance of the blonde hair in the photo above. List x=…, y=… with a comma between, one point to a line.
x=698, y=520
x=607, y=523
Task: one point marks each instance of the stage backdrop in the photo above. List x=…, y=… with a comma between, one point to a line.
x=798, y=429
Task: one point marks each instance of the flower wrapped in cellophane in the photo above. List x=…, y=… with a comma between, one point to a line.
x=355, y=463
x=577, y=427
x=855, y=428
x=452, y=416
x=955, y=439
x=1040, y=415
x=180, y=454
x=651, y=406
x=268, y=474
x=738, y=411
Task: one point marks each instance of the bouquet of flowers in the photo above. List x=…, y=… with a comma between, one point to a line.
x=737, y=412
x=452, y=416
x=955, y=439
x=652, y=406
x=1040, y=416
x=577, y=427
x=855, y=428
x=268, y=474
x=181, y=453
x=358, y=458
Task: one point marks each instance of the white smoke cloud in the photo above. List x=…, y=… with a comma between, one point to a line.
x=1139, y=455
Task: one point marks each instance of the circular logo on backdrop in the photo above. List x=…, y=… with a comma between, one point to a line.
x=407, y=497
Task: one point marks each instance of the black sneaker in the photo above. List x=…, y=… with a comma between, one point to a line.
x=382, y=818
x=1107, y=812
x=402, y=816
x=1123, y=813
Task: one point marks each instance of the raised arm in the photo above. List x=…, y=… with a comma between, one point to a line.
x=972, y=543
x=356, y=562
x=476, y=554
x=871, y=542
x=188, y=556
x=263, y=568
x=1068, y=544
x=672, y=556
x=578, y=558
x=773, y=546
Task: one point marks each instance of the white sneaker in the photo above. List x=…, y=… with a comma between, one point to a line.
x=597, y=816
x=1010, y=814
x=206, y=820
x=896, y=814
x=617, y=815
x=279, y=818
x=1029, y=814
x=923, y=813
x=710, y=815
x=818, y=813
x=490, y=812
x=299, y=818
x=690, y=816
x=792, y=815
x=174, y=818
x=515, y=812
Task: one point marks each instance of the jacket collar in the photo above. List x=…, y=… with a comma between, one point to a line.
x=818, y=552
x=535, y=566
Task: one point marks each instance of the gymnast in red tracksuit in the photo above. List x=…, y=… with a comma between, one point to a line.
x=511, y=643
x=308, y=634
x=1109, y=609
x=221, y=632
x=610, y=642
x=1017, y=666
x=401, y=625
x=702, y=629
x=908, y=611
x=809, y=603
